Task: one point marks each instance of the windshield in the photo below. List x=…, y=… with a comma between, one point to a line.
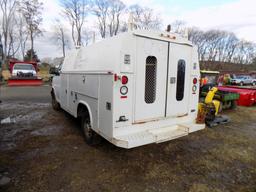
x=239, y=77
x=24, y=67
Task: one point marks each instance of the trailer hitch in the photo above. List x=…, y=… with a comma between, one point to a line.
x=122, y=119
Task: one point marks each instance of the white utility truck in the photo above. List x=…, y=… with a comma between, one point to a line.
x=133, y=89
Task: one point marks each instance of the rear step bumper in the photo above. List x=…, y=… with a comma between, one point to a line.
x=158, y=135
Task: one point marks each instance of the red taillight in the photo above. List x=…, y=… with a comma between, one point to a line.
x=124, y=80
x=115, y=77
x=195, y=81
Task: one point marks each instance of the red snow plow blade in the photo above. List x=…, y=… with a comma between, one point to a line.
x=247, y=95
x=24, y=81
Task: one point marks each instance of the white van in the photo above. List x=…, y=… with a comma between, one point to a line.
x=133, y=89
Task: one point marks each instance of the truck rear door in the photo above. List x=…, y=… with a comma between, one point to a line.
x=180, y=57
x=150, y=83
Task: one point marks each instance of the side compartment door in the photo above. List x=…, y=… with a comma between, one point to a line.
x=150, y=83
x=64, y=91
x=180, y=58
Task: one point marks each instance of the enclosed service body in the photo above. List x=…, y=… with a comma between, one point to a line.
x=139, y=87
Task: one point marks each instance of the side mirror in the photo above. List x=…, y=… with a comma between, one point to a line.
x=54, y=71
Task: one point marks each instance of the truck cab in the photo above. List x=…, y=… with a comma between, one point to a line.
x=22, y=69
x=133, y=89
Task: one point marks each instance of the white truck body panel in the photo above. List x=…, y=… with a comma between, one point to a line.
x=155, y=109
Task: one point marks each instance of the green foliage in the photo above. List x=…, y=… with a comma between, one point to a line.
x=31, y=56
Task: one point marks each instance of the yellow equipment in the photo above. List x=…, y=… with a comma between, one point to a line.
x=209, y=109
x=209, y=99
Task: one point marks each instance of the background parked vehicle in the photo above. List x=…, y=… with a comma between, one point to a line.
x=24, y=74
x=243, y=80
x=254, y=82
x=26, y=70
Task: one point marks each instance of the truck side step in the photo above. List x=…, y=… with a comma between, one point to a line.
x=157, y=135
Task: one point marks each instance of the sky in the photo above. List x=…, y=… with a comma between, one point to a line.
x=238, y=16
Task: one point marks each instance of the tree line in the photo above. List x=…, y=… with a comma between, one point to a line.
x=223, y=46
x=110, y=20
x=21, y=21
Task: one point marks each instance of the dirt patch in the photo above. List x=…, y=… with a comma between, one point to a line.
x=44, y=151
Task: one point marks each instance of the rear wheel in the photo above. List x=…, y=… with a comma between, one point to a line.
x=87, y=130
x=55, y=104
x=90, y=136
x=253, y=83
x=241, y=83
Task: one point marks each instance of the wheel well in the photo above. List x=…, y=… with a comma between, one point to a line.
x=52, y=93
x=82, y=110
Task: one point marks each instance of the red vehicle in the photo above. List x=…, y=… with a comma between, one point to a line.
x=24, y=74
x=247, y=95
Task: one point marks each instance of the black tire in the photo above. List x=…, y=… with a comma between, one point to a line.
x=253, y=83
x=88, y=133
x=90, y=136
x=241, y=83
x=55, y=104
x=233, y=104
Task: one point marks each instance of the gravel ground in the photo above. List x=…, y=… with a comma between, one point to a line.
x=43, y=150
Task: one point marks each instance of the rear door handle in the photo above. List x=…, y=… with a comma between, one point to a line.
x=172, y=80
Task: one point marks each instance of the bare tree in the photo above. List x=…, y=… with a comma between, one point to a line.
x=8, y=8
x=88, y=36
x=61, y=36
x=144, y=17
x=197, y=37
x=100, y=10
x=216, y=45
x=76, y=12
x=22, y=34
x=108, y=14
x=116, y=9
x=32, y=12
x=246, y=52
x=227, y=46
x=13, y=45
x=178, y=26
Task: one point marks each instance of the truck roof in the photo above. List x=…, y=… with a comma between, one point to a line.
x=163, y=36
x=106, y=55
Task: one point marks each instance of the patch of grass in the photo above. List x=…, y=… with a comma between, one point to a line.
x=198, y=187
x=34, y=142
x=163, y=173
x=229, y=153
